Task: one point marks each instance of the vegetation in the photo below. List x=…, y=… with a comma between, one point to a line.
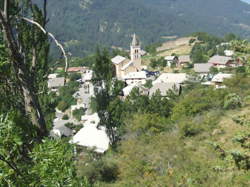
x=74, y=127
x=151, y=49
x=200, y=138
x=66, y=99
x=89, y=23
x=78, y=113
x=158, y=63
x=74, y=76
x=106, y=92
x=197, y=139
x=28, y=157
x=65, y=117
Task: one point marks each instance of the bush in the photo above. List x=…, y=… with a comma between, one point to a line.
x=190, y=129
x=66, y=98
x=199, y=100
x=148, y=84
x=232, y=101
x=242, y=160
x=62, y=106
x=74, y=127
x=78, y=113
x=65, y=117
x=99, y=170
x=74, y=76
x=191, y=41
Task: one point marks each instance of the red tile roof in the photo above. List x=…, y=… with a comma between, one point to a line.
x=76, y=69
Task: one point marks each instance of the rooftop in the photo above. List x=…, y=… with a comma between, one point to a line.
x=202, y=68
x=56, y=82
x=92, y=136
x=118, y=59
x=219, y=59
x=128, y=89
x=171, y=78
x=184, y=58
x=164, y=88
x=130, y=63
x=170, y=58
x=221, y=76
x=136, y=75
x=76, y=69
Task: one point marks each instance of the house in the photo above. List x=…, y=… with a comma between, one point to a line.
x=178, y=78
x=127, y=90
x=221, y=61
x=184, y=60
x=84, y=94
x=123, y=66
x=87, y=76
x=55, y=83
x=164, y=88
x=229, y=53
x=202, y=68
x=218, y=79
x=92, y=136
x=143, y=53
x=52, y=76
x=171, y=60
x=59, y=128
x=136, y=77
x=61, y=131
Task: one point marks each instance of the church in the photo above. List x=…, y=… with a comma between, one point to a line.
x=124, y=66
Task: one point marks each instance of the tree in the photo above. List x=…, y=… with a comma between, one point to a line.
x=153, y=63
x=229, y=37
x=104, y=87
x=198, y=54
x=27, y=49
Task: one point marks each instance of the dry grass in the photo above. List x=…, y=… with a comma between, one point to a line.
x=180, y=50
x=230, y=129
x=179, y=46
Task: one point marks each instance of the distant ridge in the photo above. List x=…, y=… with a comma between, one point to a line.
x=84, y=24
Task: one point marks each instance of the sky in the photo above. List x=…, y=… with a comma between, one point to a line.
x=247, y=1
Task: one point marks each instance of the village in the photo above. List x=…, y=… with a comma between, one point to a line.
x=135, y=73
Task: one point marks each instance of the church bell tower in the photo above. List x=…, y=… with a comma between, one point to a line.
x=135, y=52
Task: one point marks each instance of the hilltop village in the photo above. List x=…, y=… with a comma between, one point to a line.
x=149, y=73
x=86, y=102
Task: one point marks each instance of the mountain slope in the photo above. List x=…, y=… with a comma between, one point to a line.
x=82, y=24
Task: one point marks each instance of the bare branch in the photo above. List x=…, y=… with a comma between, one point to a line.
x=6, y=8
x=53, y=37
x=45, y=12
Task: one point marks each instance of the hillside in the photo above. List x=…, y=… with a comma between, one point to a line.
x=82, y=24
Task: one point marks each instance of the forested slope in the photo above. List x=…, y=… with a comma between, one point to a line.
x=83, y=23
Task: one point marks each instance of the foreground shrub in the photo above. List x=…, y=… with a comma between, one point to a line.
x=232, y=101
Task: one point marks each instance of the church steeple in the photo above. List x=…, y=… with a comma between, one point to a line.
x=135, y=41
x=135, y=52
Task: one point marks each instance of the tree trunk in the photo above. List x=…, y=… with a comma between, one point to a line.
x=31, y=102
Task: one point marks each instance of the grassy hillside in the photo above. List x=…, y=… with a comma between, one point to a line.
x=203, y=141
